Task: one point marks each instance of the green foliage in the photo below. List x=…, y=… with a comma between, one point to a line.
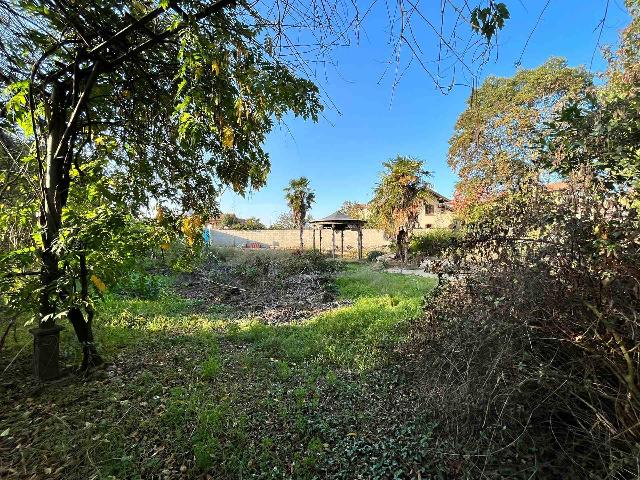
x=284, y=221
x=253, y=223
x=299, y=198
x=139, y=284
x=373, y=255
x=360, y=334
x=359, y=211
x=599, y=136
x=212, y=396
x=400, y=195
x=388, y=456
x=233, y=222
x=169, y=115
x=551, y=286
x=494, y=145
x=488, y=20
x=433, y=242
x=211, y=367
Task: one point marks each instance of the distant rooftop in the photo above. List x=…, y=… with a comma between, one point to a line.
x=556, y=186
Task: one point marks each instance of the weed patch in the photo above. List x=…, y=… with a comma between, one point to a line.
x=192, y=391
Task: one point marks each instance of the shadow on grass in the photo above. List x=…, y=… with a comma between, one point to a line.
x=189, y=393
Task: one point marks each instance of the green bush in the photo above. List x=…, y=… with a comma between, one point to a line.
x=433, y=242
x=139, y=285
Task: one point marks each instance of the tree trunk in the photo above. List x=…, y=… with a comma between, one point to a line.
x=46, y=339
x=401, y=245
x=50, y=206
x=54, y=185
x=301, y=242
x=84, y=332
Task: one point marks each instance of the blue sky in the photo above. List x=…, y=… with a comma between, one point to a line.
x=373, y=122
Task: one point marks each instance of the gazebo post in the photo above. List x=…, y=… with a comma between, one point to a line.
x=342, y=243
x=359, y=242
x=314, y=239
x=320, y=238
x=333, y=242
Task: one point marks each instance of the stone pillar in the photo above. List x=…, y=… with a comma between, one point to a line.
x=45, y=352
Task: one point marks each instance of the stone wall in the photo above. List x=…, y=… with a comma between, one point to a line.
x=372, y=239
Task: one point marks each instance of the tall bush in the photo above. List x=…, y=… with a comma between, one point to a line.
x=540, y=326
x=433, y=242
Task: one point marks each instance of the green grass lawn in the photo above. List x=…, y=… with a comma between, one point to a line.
x=192, y=394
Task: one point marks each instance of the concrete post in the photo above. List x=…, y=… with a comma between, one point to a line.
x=45, y=352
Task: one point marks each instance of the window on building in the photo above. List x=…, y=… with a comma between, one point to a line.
x=428, y=209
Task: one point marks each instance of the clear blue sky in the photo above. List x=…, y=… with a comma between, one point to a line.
x=343, y=152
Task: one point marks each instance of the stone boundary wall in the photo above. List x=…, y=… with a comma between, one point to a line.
x=372, y=239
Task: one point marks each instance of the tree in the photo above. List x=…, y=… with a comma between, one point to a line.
x=228, y=220
x=233, y=222
x=168, y=99
x=355, y=209
x=173, y=97
x=598, y=136
x=299, y=197
x=284, y=222
x=398, y=198
x=253, y=223
x=495, y=143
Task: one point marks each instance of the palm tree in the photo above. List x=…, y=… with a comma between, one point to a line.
x=299, y=198
x=398, y=197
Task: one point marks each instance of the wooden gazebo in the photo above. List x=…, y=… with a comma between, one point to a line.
x=337, y=222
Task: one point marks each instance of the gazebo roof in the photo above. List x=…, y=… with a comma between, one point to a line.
x=338, y=218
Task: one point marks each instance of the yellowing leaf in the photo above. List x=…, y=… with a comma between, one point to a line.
x=215, y=68
x=98, y=283
x=227, y=137
x=239, y=106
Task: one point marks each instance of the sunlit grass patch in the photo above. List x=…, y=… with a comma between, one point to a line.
x=360, y=281
x=125, y=320
x=353, y=336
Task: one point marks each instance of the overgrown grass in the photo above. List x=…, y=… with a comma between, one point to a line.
x=195, y=392
x=354, y=336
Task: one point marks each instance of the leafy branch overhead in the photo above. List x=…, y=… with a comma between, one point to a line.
x=488, y=20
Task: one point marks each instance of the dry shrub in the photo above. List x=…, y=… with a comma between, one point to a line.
x=530, y=352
